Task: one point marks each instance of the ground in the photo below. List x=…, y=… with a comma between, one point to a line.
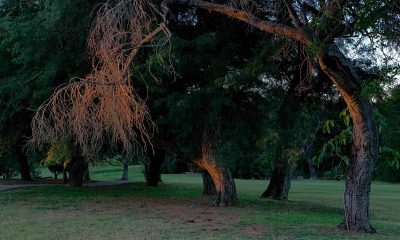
x=177, y=210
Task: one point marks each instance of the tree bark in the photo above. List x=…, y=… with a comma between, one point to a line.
x=365, y=141
x=279, y=184
x=125, y=173
x=77, y=171
x=152, y=171
x=223, y=181
x=208, y=184
x=22, y=161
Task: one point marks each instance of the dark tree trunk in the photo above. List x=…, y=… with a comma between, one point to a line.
x=365, y=141
x=313, y=171
x=125, y=173
x=22, y=161
x=226, y=189
x=65, y=175
x=279, y=183
x=308, y=149
x=87, y=174
x=208, y=184
x=77, y=171
x=152, y=171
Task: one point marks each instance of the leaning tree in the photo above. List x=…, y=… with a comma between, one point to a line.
x=104, y=103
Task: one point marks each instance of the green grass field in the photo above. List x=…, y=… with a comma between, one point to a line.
x=177, y=210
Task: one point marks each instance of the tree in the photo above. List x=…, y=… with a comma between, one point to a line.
x=41, y=46
x=317, y=26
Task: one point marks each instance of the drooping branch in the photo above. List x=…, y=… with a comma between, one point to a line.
x=103, y=107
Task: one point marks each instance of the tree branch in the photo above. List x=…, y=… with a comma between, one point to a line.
x=265, y=26
x=293, y=15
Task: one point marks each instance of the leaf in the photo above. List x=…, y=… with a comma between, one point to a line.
x=327, y=126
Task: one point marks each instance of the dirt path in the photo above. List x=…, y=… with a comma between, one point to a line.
x=90, y=184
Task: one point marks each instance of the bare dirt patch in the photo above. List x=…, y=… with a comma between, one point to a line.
x=197, y=213
x=253, y=230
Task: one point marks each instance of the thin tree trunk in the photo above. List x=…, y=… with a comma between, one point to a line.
x=87, y=174
x=65, y=176
x=313, y=171
x=365, y=141
x=308, y=149
x=152, y=172
x=22, y=161
x=208, y=184
x=125, y=173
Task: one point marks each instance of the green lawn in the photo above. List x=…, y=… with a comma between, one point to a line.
x=176, y=210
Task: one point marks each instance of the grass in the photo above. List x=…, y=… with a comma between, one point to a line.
x=176, y=210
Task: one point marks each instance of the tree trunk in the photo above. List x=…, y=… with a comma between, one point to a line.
x=365, y=141
x=152, y=171
x=223, y=181
x=125, y=173
x=308, y=150
x=87, y=174
x=359, y=172
x=22, y=161
x=77, y=171
x=313, y=171
x=226, y=189
x=208, y=184
x=279, y=184
x=65, y=176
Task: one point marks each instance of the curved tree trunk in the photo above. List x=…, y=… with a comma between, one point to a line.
x=365, y=141
x=125, y=173
x=208, y=184
x=152, y=171
x=224, y=183
x=22, y=161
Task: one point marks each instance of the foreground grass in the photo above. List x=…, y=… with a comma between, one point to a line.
x=176, y=210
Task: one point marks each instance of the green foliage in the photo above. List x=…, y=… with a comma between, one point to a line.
x=391, y=156
x=339, y=140
x=41, y=46
x=59, y=152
